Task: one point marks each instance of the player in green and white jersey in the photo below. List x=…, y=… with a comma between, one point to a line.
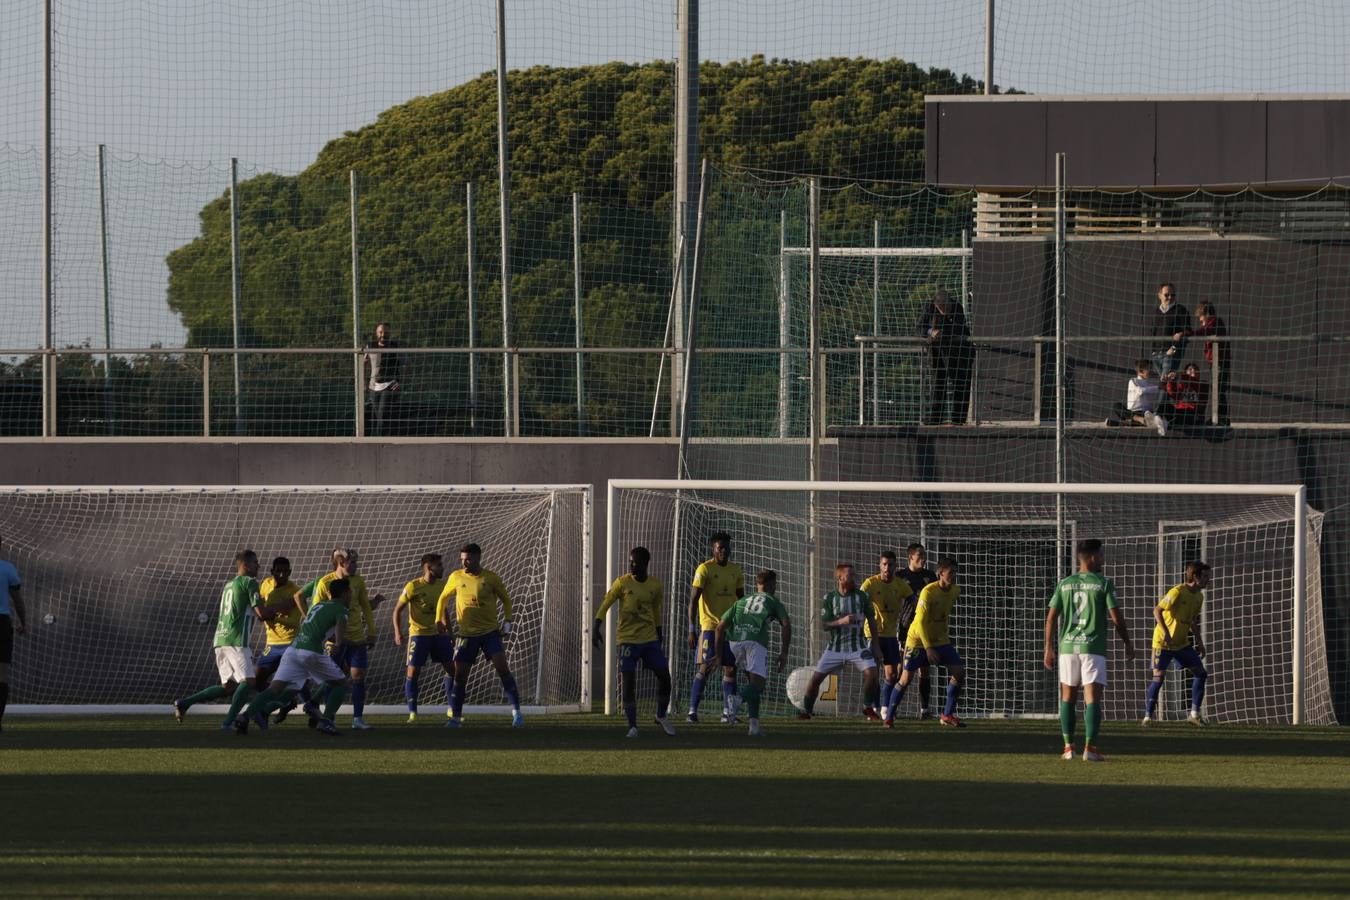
x=306, y=660
x=240, y=603
x=1086, y=601
x=745, y=628
x=843, y=612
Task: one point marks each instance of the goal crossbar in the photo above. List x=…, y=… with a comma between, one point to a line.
x=1296, y=493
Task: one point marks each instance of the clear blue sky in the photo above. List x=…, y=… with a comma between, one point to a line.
x=194, y=82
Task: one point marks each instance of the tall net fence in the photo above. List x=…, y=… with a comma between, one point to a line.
x=1010, y=558
x=113, y=572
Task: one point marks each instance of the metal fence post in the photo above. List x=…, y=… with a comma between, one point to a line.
x=236, y=286
x=1214, y=383
x=513, y=367
x=510, y=403
x=206, y=392
x=107, y=290
x=784, y=331
x=358, y=366
x=876, y=325
x=576, y=297
x=470, y=312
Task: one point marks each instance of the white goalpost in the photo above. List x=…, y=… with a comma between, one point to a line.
x=122, y=584
x=1262, y=621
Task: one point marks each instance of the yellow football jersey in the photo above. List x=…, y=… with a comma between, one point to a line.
x=1180, y=610
x=639, y=608
x=931, y=615
x=360, y=619
x=721, y=585
x=281, y=630
x=475, y=599
x=423, y=599
x=888, y=598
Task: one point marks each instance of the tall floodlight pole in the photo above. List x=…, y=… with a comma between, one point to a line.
x=687, y=179
x=988, y=46
x=107, y=290
x=471, y=312
x=784, y=330
x=48, y=357
x=576, y=300
x=504, y=189
x=1060, y=368
x=236, y=278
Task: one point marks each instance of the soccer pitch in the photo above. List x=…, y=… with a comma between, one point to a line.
x=567, y=806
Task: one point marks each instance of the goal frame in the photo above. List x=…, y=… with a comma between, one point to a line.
x=587, y=492
x=1296, y=494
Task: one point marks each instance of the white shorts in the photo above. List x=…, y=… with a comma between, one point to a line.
x=1082, y=668
x=234, y=664
x=751, y=657
x=833, y=660
x=298, y=665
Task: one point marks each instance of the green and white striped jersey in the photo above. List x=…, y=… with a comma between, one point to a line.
x=847, y=638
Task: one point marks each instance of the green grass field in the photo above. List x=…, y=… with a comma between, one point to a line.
x=567, y=806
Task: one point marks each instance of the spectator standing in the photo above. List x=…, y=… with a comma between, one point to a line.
x=386, y=381
x=1170, y=324
x=1208, y=325
x=943, y=326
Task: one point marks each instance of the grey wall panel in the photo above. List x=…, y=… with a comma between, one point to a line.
x=1013, y=282
x=1333, y=319
x=1108, y=144
x=932, y=137
x=1210, y=142
x=995, y=144
x=1299, y=139
x=1273, y=291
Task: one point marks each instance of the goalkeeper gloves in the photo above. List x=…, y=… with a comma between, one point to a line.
x=598, y=633
x=506, y=629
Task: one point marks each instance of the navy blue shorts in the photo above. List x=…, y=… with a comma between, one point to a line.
x=918, y=658
x=707, y=648
x=435, y=646
x=271, y=656
x=354, y=656
x=649, y=654
x=890, y=650
x=468, y=648
x=1185, y=658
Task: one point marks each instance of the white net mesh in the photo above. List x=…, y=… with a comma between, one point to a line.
x=1011, y=559
x=122, y=585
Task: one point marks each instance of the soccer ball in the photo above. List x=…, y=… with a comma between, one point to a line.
x=796, y=691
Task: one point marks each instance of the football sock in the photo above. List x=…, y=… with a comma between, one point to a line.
x=629, y=690
x=1068, y=721
x=925, y=688
x=4, y=697
x=810, y=701
x=953, y=694
x=887, y=687
x=260, y=702
x=214, y=692
x=1198, y=689
x=897, y=695
x=457, y=700
x=448, y=683
x=509, y=686
x=696, y=692
x=1092, y=721
x=305, y=694
x=337, y=692
x=662, y=694
x=752, y=699
x=1151, y=696
x=358, y=698
x=728, y=690
x=410, y=692
x=237, y=702
x=873, y=699
x=274, y=701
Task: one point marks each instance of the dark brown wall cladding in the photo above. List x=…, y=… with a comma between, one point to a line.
x=1333, y=317
x=1002, y=142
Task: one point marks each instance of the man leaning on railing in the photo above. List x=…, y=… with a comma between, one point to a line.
x=950, y=354
x=385, y=385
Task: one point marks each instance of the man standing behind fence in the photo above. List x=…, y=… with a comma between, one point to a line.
x=943, y=325
x=1170, y=323
x=385, y=386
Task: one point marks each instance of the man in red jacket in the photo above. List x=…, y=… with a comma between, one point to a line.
x=1208, y=324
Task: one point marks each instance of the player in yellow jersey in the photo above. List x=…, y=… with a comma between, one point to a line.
x=929, y=642
x=421, y=597
x=360, y=630
x=640, y=637
x=718, y=583
x=280, y=626
x=888, y=594
x=1177, y=616
x=473, y=593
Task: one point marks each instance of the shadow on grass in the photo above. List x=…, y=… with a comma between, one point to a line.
x=713, y=831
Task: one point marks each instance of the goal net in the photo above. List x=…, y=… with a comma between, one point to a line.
x=1262, y=620
x=123, y=584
